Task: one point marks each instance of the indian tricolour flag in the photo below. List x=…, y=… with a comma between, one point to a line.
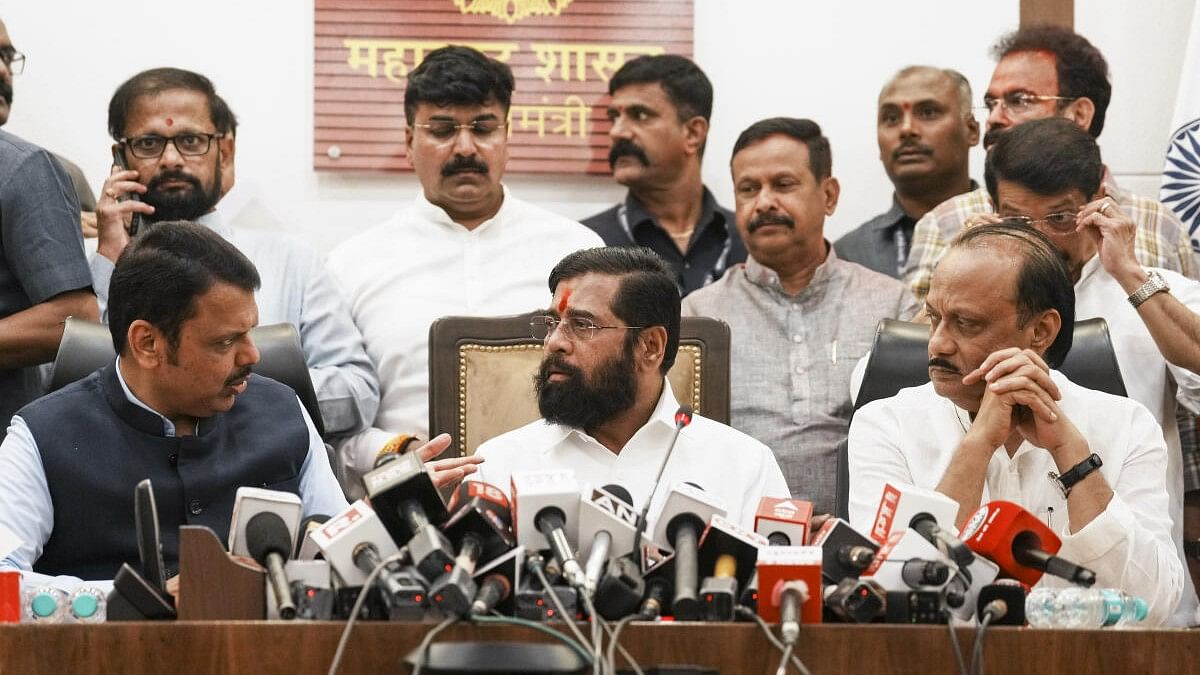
x=1181, y=173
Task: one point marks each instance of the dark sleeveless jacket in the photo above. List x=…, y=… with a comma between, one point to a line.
x=96, y=446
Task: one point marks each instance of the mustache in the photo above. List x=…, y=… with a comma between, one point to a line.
x=464, y=164
x=239, y=375
x=935, y=362
x=555, y=362
x=771, y=218
x=911, y=145
x=155, y=183
x=6, y=92
x=623, y=147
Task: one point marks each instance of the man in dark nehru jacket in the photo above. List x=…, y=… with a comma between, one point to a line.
x=178, y=406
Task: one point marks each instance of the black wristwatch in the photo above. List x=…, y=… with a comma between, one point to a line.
x=1076, y=473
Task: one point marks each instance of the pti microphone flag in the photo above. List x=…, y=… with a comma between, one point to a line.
x=1181, y=170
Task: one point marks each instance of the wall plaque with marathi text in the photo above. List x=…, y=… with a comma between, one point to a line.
x=562, y=53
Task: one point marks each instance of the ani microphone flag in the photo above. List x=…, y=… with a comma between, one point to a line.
x=1181, y=172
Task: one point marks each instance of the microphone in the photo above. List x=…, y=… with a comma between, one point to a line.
x=607, y=515
x=789, y=596
x=731, y=553
x=972, y=574
x=658, y=593
x=927, y=526
x=683, y=417
x=270, y=544
x=845, y=552
x=907, y=561
x=899, y=502
x=1009, y=592
x=683, y=519
x=548, y=513
x=410, y=507
x=783, y=522
x=1020, y=544
x=494, y=589
x=305, y=548
x=249, y=502
x=480, y=527
x=855, y=600
x=497, y=582
x=779, y=566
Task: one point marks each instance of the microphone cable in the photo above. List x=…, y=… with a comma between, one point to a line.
x=996, y=609
x=746, y=613
x=358, y=603
x=535, y=564
x=614, y=645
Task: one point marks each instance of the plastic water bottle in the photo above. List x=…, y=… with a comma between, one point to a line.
x=1135, y=612
x=1040, y=609
x=87, y=605
x=46, y=605
x=1075, y=607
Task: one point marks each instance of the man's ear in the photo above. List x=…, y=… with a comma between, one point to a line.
x=146, y=344
x=695, y=133
x=1081, y=111
x=832, y=189
x=1045, y=330
x=972, y=131
x=652, y=347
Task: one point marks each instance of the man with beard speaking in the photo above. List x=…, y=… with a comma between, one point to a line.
x=611, y=334
x=175, y=135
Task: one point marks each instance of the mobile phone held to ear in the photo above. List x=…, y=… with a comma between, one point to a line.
x=135, y=223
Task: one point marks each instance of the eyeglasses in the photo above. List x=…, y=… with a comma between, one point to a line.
x=484, y=131
x=1019, y=103
x=1063, y=222
x=152, y=146
x=576, y=327
x=13, y=60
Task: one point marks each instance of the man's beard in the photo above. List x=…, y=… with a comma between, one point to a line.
x=187, y=204
x=584, y=403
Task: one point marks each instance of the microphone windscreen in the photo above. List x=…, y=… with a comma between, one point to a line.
x=266, y=533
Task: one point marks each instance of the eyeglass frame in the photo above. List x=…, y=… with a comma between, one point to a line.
x=1021, y=98
x=476, y=135
x=14, y=56
x=1031, y=222
x=552, y=323
x=170, y=140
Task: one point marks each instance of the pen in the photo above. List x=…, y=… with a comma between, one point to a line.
x=833, y=352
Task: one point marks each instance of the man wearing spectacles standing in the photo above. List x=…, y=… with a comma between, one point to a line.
x=608, y=412
x=1048, y=173
x=43, y=271
x=175, y=135
x=466, y=246
x=799, y=316
x=1047, y=71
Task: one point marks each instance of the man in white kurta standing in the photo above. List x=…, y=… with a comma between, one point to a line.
x=465, y=246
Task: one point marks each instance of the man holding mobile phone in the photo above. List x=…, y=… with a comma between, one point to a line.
x=176, y=136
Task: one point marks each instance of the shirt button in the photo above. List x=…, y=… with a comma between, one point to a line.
x=173, y=459
x=799, y=370
x=797, y=338
x=194, y=507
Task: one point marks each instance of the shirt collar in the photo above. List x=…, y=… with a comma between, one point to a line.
x=168, y=426
x=636, y=214
x=429, y=212
x=765, y=277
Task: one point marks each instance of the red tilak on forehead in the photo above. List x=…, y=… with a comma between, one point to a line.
x=562, y=304
x=170, y=121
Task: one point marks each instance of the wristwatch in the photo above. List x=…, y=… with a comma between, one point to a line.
x=1076, y=473
x=1154, y=284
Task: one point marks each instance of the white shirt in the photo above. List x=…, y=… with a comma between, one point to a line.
x=1149, y=379
x=723, y=461
x=911, y=437
x=420, y=266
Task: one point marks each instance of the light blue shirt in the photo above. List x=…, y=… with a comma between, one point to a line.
x=26, y=509
x=297, y=290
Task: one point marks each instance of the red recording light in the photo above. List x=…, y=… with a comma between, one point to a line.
x=708, y=598
x=549, y=613
x=540, y=602
x=418, y=598
x=448, y=568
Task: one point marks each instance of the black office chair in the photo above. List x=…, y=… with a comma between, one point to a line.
x=87, y=346
x=900, y=357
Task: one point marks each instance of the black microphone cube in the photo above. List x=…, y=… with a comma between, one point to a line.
x=923, y=607
x=536, y=605
x=431, y=552
x=718, y=595
x=453, y=592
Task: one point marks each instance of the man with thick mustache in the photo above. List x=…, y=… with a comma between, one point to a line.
x=800, y=316
x=659, y=113
x=926, y=129
x=996, y=422
x=466, y=246
x=176, y=136
x=177, y=406
x=608, y=412
x=1047, y=71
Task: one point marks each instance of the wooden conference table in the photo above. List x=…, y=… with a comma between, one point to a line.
x=299, y=648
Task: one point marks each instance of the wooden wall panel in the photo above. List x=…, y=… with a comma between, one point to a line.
x=561, y=60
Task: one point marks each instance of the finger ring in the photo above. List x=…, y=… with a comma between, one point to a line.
x=1104, y=209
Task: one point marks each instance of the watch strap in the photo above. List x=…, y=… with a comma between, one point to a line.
x=1154, y=284
x=1078, y=472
